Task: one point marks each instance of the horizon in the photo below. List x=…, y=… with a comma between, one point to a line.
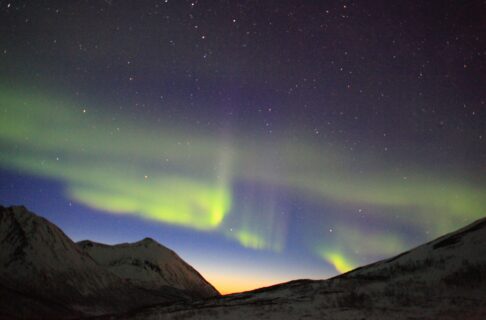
x=222, y=286
x=262, y=142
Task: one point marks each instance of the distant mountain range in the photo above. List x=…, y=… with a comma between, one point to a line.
x=43, y=274
x=443, y=279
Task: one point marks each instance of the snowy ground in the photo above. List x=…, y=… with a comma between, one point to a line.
x=443, y=279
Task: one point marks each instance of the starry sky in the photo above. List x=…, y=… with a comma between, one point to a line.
x=264, y=141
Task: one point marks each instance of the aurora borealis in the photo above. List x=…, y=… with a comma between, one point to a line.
x=261, y=141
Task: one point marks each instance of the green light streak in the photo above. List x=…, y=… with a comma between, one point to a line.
x=249, y=240
x=111, y=170
x=185, y=177
x=347, y=243
x=337, y=260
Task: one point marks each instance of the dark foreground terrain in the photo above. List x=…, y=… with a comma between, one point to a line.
x=443, y=279
x=43, y=274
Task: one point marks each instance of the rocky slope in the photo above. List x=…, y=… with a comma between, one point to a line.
x=443, y=279
x=44, y=274
x=150, y=265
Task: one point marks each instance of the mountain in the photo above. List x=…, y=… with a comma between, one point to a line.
x=442, y=279
x=44, y=274
x=150, y=265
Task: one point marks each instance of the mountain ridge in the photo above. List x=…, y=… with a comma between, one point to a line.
x=56, y=278
x=442, y=279
x=153, y=257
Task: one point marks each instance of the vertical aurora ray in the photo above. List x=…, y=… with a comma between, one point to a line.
x=345, y=245
x=337, y=260
x=228, y=184
x=107, y=168
x=227, y=137
x=256, y=221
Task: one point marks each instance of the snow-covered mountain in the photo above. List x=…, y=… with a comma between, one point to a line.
x=44, y=274
x=150, y=265
x=443, y=279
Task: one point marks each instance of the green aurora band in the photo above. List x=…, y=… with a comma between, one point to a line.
x=162, y=173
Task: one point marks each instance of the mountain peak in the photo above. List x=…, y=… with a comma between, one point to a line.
x=150, y=263
x=38, y=261
x=148, y=241
x=442, y=279
x=144, y=242
x=17, y=211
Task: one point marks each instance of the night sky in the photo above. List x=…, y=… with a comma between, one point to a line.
x=263, y=141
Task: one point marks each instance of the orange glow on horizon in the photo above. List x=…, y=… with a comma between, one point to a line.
x=227, y=284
